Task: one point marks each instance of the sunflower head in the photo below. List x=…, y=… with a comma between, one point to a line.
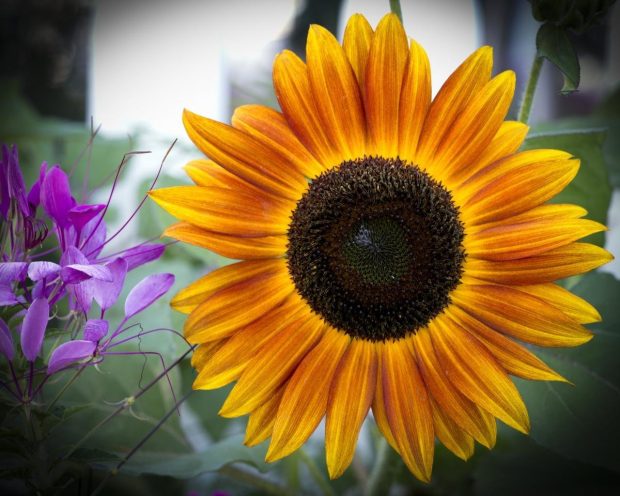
x=394, y=251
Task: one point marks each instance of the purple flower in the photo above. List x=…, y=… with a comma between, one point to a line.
x=146, y=292
x=33, y=328
x=6, y=341
x=77, y=273
x=106, y=293
x=16, y=189
x=34, y=195
x=95, y=329
x=56, y=196
x=139, y=255
x=80, y=215
x=11, y=272
x=69, y=353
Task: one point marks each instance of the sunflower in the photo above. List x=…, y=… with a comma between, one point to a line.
x=394, y=253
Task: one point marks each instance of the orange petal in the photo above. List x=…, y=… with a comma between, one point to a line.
x=462, y=85
x=516, y=184
x=203, y=353
x=379, y=411
x=244, y=156
x=350, y=397
x=207, y=173
x=235, y=306
x=197, y=292
x=271, y=128
x=229, y=246
x=292, y=88
x=572, y=305
x=507, y=140
x=513, y=357
x=466, y=414
x=356, y=44
x=218, y=209
x=305, y=397
x=336, y=93
x=476, y=125
x=474, y=371
x=384, y=79
x=408, y=408
x=451, y=435
x=509, y=242
x=415, y=100
x=260, y=423
x=547, y=212
x=520, y=315
x=231, y=358
x=272, y=366
x=550, y=266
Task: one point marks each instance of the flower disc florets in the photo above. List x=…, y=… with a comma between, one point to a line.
x=375, y=247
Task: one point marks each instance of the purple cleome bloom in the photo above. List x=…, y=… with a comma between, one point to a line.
x=31, y=287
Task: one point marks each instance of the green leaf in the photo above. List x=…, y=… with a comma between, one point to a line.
x=591, y=188
x=188, y=465
x=580, y=421
x=553, y=44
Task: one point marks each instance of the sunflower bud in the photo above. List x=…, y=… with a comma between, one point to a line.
x=578, y=15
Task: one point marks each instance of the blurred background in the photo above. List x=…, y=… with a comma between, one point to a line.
x=131, y=67
x=124, y=70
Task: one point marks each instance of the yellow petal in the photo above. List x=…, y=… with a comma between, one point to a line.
x=232, y=356
x=462, y=85
x=451, y=435
x=272, y=366
x=229, y=246
x=244, y=156
x=217, y=209
x=473, y=370
x=384, y=79
x=408, y=408
x=507, y=140
x=203, y=353
x=569, y=260
x=415, y=100
x=476, y=125
x=233, y=307
x=271, y=128
x=208, y=174
x=197, y=292
x=356, y=44
x=463, y=412
x=305, y=397
x=292, y=88
x=336, y=93
x=379, y=409
x=520, y=315
x=509, y=242
x=572, y=305
x=513, y=357
x=547, y=212
x=514, y=185
x=350, y=397
x=260, y=423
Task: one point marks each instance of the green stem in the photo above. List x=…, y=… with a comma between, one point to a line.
x=395, y=8
x=528, y=96
x=316, y=474
x=64, y=388
x=380, y=478
x=126, y=404
x=140, y=443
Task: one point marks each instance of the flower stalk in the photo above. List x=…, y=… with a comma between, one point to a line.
x=530, y=90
